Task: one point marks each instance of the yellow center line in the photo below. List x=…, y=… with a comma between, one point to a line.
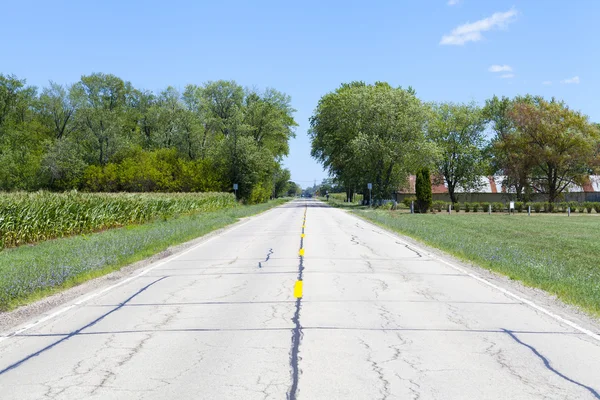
x=298, y=290
x=298, y=286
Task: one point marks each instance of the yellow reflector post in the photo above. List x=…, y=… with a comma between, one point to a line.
x=301, y=252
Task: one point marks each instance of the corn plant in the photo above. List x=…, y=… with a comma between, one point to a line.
x=34, y=217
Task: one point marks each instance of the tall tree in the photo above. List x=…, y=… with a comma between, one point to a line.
x=12, y=93
x=457, y=130
x=370, y=134
x=269, y=117
x=101, y=118
x=103, y=134
x=57, y=106
x=506, y=154
x=21, y=135
x=423, y=190
x=561, y=144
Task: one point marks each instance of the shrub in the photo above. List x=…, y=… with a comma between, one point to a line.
x=549, y=207
x=498, y=207
x=467, y=207
x=475, y=207
x=259, y=194
x=589, y=206
x=519, y=205
x=438, y=205
x=154, y=171
x=484, y=206
x=456, y=207
x=562, y=206
x=596, y=206
x=537, y=207
x=385, y=206
x=408, y=200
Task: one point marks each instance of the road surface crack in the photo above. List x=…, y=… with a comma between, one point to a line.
x=260, y=263
x=385, y=390
x=410, y=248
x=381, y=286
x=549, y=366
x=386, y=316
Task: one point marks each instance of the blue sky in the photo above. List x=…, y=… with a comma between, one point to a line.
x=445, y=51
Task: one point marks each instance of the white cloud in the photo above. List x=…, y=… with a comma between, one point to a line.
x=471, y=32
x=500, y=68
x=574, y=80
x=453, y=2
x=547, y=83
x=506, y=76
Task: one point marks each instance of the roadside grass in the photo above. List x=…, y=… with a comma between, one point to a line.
x=558, y=255
x=29, y=273
x=335, y=201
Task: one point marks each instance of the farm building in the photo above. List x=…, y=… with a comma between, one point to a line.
x=491, y=189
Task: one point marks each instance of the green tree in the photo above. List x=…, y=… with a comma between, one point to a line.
x=21, y=135
x=281, y=179
x=57, y=106
x=561, y=144
x=269, y=117
x=506, y=154
x=457, y=130
x=293, y=189
x=103, y=134
x=102, y=115
x=423, y=190
x=370, y=134
x=13, y=93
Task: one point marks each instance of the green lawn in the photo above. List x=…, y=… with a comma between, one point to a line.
x=30, y=272
x=556, y=253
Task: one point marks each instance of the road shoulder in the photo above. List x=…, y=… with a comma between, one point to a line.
x=30, y=313
x=539, y=297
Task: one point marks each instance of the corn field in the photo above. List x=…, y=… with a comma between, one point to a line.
x=35, y=217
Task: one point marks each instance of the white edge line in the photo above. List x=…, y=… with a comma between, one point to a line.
x=121, y=283
x=488, y=283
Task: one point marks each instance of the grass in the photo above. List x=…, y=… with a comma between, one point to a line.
x=28, y=273
x=558, y=255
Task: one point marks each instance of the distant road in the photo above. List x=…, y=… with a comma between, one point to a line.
x=243, y=316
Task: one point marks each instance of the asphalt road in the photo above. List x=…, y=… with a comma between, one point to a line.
x=371, y=319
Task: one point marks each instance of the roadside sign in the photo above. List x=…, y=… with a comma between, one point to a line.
x=235, y=186
x=369, y=186
x=512, y=205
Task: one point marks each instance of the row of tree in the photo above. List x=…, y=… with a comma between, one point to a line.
x=380, y=134
x=102, y=134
